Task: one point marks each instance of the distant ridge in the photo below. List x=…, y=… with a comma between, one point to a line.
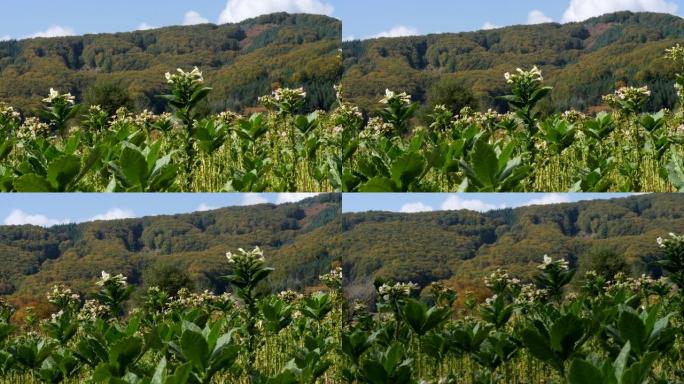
x=294, y=238
x=240, y=61
x=583, y=60
x=462, y=247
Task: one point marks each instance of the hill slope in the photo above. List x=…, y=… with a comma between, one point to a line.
x=463, y=246
x=240, y=61
x=583, y=61
x=294, y=238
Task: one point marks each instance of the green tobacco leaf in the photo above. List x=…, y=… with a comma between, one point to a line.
x=195, y=349
x=583, y=372
x=407, y=169
x=484, y=165
x=133, y=166
x=675, y=170
x=378, y=184
x=32, y=183
x=124, y=353
x=565, y=333
x=63, y=171
x=415, y=314
x=632, y=329
x=539, y=347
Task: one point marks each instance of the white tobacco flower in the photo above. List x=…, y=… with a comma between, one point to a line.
x=55, y=95
x=119, y=280
x=390, y=96
x=491, y=300
x=246, y=257
x=52, y=96
x=547, y=261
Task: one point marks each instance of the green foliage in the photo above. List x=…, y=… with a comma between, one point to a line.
x=168, y=277
x=108, y=95
x=452, y=94
x=606, y=262
x=492, y=169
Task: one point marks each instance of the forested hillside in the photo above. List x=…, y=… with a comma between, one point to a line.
x=462, y=247
x=241, y=62
x=294, y=238
x=582, y=61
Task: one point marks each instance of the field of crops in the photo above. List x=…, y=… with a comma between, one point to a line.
x=614, y=330
x=246, y=336
x=71, y=149
x=624, y=150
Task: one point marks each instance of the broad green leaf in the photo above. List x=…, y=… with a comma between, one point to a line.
x=195, y=349
x=583, y=372
x=134, y=166
x=63, y=170
x=32, y=183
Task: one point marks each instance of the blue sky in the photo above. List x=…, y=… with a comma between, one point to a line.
x=425, y=202
x=52, y=209
x=361, y=18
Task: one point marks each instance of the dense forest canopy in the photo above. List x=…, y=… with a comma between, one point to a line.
x=582, y=61
x=240, y=61
x=294, y=238
x=462, y=247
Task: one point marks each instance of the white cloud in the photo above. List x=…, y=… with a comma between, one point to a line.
x=349, y=38
x=397, y=31
x=145, y=27
x=194, y=18
x=113, y=214
x=489, y=25
x=5, y=38
x=549, y=199
x=19, y=217
x=239, y=10
x=457, y=203
x=54, y=31
x=253, y=199
x=580, y=10
x=538, y=17
x=205, y=207
x=293, y=197
x=416, y=207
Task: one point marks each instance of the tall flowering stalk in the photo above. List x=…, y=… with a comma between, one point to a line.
x=398, y=111
x=676, y=54
x=59, y=109
x=114, y=292
x=629, y=100
x=527, y=90
x=554, y=276
x=249, y=270
x=187, y=91
x=285, y=103
x=673, y=258
x=10, y=120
